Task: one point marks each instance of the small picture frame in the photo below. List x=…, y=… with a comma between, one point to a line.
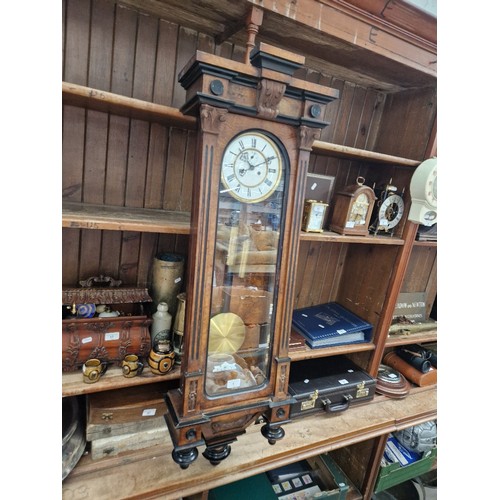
x=319, y=187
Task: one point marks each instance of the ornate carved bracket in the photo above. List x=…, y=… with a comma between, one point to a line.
x=212, y=118
x=307, y=136
x=269, y=95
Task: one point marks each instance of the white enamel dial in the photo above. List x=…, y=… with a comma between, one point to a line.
x=251, y=167
x=316, y=219
x=423, y=189
x=391, y=211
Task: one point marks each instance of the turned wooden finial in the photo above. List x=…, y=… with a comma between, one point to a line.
x=253, y=22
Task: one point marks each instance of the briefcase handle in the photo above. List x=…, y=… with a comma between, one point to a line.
x=337, y=407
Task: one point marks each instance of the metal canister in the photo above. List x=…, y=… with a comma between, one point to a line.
x=167, y=279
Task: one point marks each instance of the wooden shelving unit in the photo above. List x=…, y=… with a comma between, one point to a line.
x=73, y=385
x=301, y=353
x=414, y=338
x=151, y=473
x=126, y=134
x=350, y=153
x=109, y=102
x=430, y=244
x=331, y=237
x=87, y=216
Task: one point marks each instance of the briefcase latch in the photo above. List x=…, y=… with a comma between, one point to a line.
x=361, y=390
x=309, y=403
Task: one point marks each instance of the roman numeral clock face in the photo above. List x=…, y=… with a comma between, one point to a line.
x=251, y=167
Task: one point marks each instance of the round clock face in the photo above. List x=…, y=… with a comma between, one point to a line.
x=391, y=211
x=251, y=167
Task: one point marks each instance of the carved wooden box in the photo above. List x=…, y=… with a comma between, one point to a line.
x=109, y=339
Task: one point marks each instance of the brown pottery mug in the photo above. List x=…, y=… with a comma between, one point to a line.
x=93, y=369
x=132, y=366
x=161, y=361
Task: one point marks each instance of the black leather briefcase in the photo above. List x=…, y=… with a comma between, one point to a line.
x=328, y=384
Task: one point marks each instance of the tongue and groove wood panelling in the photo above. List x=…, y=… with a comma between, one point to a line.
x=121, y=161
x=116, y=160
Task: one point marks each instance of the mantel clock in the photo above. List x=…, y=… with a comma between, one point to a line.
x=257, y=124
x=314, y=215
x=352, y=209
x=388, y=211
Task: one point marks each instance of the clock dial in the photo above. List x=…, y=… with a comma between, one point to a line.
x=391, y=211
x=251, y=167
x=315, y=220
x=359, y=211
x=316, y=217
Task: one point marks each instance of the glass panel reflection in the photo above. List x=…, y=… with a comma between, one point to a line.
x=243, y=292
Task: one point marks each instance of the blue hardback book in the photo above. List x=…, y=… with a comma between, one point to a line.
x=331, y=324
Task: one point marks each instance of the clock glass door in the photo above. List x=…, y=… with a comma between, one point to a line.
x=244, y=286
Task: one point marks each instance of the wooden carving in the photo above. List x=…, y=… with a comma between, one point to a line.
x=211, y=118
x=307, y=137
x=269, y=94
x=193, y=390
x=108, y=340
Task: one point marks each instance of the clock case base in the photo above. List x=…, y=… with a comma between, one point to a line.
x=218, y=428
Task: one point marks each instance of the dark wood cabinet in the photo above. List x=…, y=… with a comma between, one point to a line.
x=128, y=170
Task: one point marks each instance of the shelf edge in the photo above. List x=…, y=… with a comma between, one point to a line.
x=101, y=100
x=347, y=152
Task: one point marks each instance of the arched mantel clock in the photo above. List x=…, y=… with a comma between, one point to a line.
x=257, y=124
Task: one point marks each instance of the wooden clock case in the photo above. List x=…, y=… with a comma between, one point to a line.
x=343, y=202
x=229, y=97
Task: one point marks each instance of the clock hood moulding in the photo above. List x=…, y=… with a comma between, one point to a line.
x=246, y=89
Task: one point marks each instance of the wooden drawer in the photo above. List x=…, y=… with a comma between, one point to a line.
x=125, y=411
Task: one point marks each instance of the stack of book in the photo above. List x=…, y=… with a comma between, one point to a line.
x=427, y=233
x=328, y=325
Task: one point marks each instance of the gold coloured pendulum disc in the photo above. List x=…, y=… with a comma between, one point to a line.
x=227, y=333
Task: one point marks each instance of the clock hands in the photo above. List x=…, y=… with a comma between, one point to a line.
x=244, y=156
x=266, y=160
